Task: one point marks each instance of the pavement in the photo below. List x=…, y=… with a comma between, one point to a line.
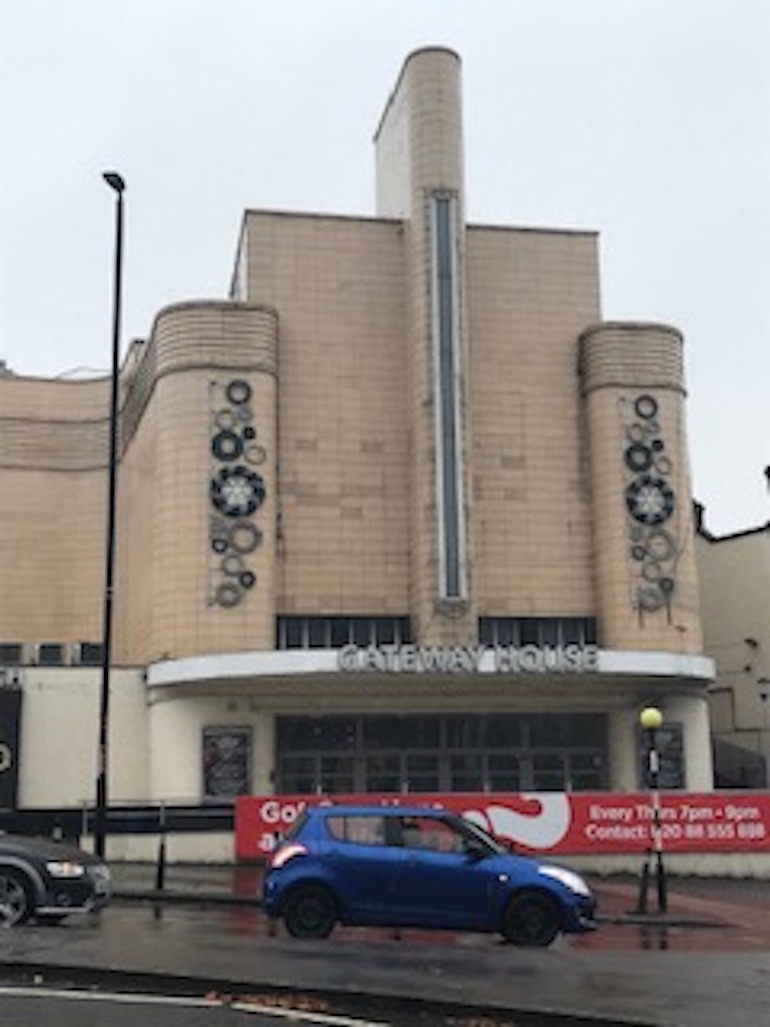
x=704, y=963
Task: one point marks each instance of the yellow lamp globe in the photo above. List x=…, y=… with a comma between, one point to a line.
x=651, y=718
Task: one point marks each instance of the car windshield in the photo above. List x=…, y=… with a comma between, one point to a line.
x=292, y=830
x=473, y=830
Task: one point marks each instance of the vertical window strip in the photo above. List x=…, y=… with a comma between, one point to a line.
x=447, y=395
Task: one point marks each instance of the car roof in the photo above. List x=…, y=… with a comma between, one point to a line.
x=359, y=809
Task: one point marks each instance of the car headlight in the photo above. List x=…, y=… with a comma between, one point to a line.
x=65, y=868
x=566, y=877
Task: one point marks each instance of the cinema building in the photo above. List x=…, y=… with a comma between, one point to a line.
x=401, y=514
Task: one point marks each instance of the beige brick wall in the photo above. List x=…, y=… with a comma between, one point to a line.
x=343, y=429
x=357, y=439
x=530, y=294
x=53, y=453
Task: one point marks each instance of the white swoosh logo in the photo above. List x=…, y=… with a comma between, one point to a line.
x=541, y=829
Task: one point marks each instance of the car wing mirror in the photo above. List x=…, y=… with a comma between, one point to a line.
x=475, y=849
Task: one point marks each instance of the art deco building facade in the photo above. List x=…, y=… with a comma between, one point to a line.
x=401, y=514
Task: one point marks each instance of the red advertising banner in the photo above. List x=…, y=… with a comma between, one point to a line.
x=550, y=822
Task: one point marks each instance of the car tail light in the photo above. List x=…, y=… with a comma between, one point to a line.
x=284, y=853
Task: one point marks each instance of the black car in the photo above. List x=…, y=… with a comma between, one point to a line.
x=48, y=880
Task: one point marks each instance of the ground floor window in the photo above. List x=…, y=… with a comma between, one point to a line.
x=495, y=752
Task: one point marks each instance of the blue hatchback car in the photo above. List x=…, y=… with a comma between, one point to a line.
x=409, y=866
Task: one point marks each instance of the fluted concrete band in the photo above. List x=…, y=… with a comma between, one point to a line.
x=631, y=355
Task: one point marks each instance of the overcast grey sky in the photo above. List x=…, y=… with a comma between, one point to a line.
x=646, y=120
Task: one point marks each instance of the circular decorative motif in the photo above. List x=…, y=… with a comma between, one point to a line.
x=238, y=391
x=256, y=454
x=652, y=571
x=233, y=565
x=237, y=491
x=636, y=433
x=650, y=500
x=639, y=552
x=650, y=597
x=657, y=445
x=224, y=419
x=660, y=545
x=227, y=445
x=666, y=586
x=646, y=407
x=244, y=537
x=638, y=457
x=663, y=465
x=228, y=594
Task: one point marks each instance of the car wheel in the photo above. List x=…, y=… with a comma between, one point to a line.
x=309, y=911
x=531, y=919
x=15, y=898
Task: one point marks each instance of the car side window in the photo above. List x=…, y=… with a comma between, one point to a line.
x=360, y=830
x=430, y=833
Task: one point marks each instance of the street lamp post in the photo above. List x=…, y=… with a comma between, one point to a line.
x=116, y=183
x=651, y=720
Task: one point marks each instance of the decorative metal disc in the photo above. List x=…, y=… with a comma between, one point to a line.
x=228, y=594
x=255, y=454
x=650, y=597
x=233, y=565
x=224, y=419
x=646, y=407
x=652, y=571
x=238, y=391
x=650, y=500
x=636, y=433
x=237, y=491
x=226, y=445
x=660, y=545
x=244, y=537
x=638, y=457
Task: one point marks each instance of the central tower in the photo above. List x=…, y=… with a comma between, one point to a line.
x=419, y=150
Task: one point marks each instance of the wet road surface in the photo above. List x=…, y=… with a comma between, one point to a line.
x=706, y=964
